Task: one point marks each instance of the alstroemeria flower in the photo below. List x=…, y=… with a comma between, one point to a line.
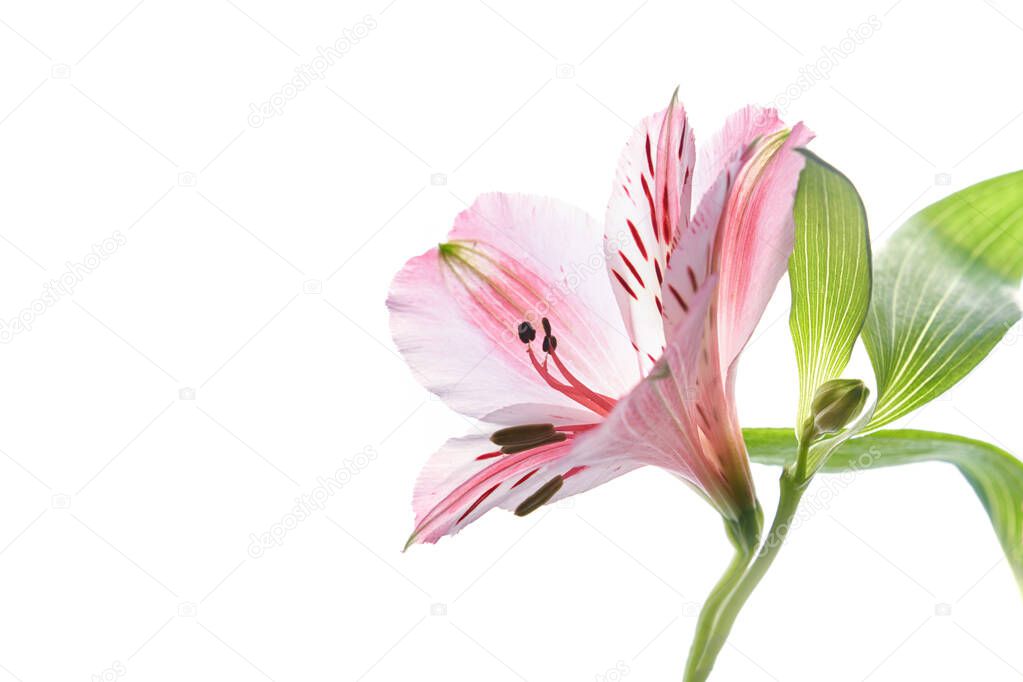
x=587, y=355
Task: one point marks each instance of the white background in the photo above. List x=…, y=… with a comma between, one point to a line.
x=254, y=269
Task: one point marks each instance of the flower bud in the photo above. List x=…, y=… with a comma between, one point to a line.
x=835, y=404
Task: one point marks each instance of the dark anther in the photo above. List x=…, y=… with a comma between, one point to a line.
x=526, y=437
x=546, y=326
x=517, y=434
x=526, y=332
x=550, y=344
x=540, y=497
x=556, y=437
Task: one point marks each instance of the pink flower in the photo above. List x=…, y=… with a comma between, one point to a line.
x=586, y=355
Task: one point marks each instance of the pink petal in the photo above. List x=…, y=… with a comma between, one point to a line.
x=455, y=310
x=659, y=422
x=744, y=219
x=692, y=265
x=756, y=236
x=469, y=476
x=649, y=208
x=531, y=413
x=739, y=131
x=719, y=424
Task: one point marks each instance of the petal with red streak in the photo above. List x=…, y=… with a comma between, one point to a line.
x=454, y=310
x=756, y=236
x=658, y=423
x=648, y=210
x=469, y=476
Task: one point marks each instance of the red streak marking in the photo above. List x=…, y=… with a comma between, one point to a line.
x=475, y=504
x=636, y=238
x=650, y=202
x=524, y=478
x=692, y=278
x=625, y=285
x=632, y=269
x=666, y=217
x=678, y=298
x=575, y=428
x=649, y=159
x=703, y=415
x=660, y=308
x=490, y=455
x=572, y=472
x=657, y=271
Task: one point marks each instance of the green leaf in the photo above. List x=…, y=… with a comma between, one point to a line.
x=829, y=273
x=995, y=475
x=944, y=293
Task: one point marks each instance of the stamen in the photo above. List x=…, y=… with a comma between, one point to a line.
x=517, y=434
x=514, y=439
x=540, y=497
x=572, y=393
x=576, y=428
x=603, y=400
x=541, y=369
x=529, y=445
x=575, y=389
x=526, y=437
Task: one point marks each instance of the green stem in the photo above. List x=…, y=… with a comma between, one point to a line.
x=741, y=578
x=709, y=612
x=788, y=502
